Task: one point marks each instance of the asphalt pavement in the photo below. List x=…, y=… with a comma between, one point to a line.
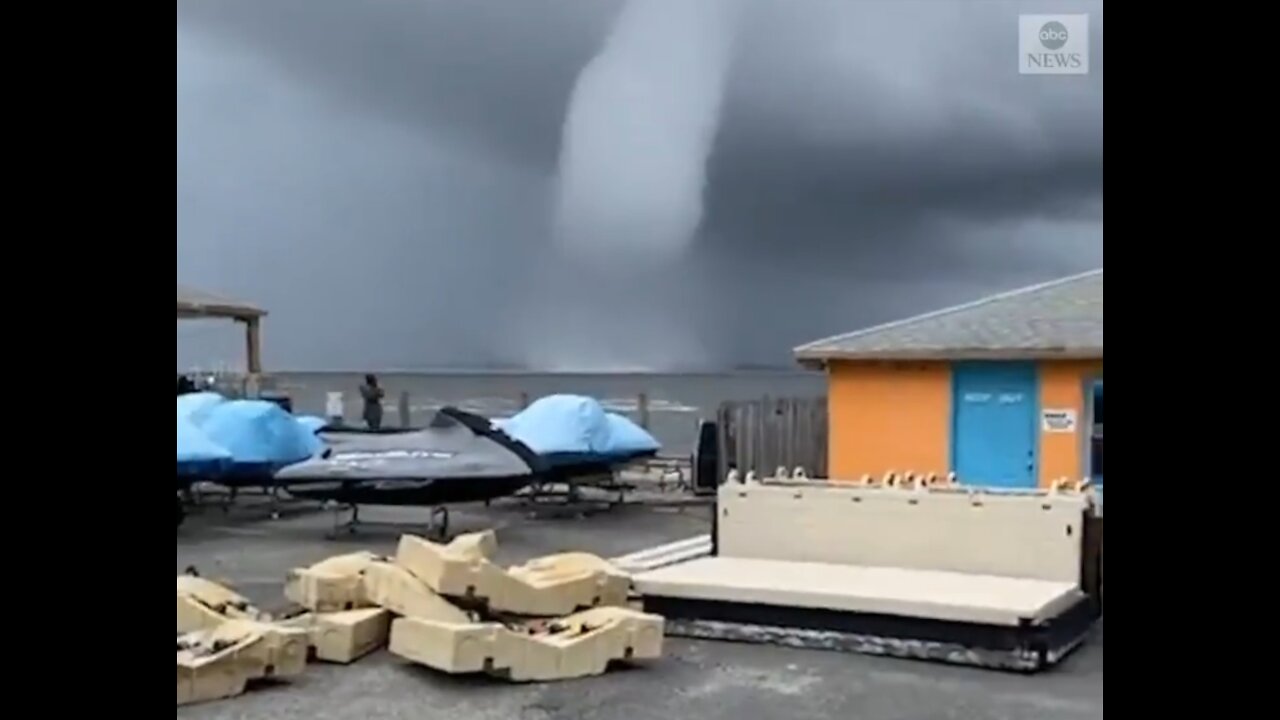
x=695, y=679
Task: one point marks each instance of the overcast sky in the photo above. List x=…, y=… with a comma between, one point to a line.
x=382, y=176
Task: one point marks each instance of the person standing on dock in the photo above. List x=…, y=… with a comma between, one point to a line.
x=372, y=396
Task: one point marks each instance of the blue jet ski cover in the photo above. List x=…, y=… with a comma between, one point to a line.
x=312, y=423
x=577, y=425
x=197, y=454
x=259, y=432
x=196, y=406
x=628, y=437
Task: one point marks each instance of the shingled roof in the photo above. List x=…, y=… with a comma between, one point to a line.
x=194, y=303
x=1058, y=319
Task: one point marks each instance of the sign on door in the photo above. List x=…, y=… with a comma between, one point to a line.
x=1058, y=420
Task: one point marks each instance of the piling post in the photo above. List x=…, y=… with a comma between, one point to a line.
x=334, y=410
x=524, y=400
x=403, y=408
x=251, y=387
x=642, y=409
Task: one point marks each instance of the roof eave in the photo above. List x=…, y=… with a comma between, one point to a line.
x=811, y=363
x=818, y=358
x=234, y=312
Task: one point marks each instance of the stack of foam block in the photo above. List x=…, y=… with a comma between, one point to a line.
x=342, y=624
x=225, y=643
x=448, y=607
x=556, y=617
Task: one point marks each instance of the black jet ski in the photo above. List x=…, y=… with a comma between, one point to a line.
x=459, y=457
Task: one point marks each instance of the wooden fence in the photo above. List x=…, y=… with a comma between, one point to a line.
x=769, y=433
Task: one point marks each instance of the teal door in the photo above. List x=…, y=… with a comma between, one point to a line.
x=994, y=432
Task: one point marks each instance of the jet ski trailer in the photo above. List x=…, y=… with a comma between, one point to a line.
x=996, y=579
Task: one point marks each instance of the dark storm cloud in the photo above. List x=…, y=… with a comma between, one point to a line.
x=491, y=72
x=875, y=159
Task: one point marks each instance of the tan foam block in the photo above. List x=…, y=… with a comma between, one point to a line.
x=330, y=585
x=474, y=546
x=209, y=592
x=396, y=589
x=347, y=563
x=202, y=678
x=578, y=580
x=347, y=636
x=545, y=587
x=302, y=621
x=325, y=593
x=203, y=604
x=436, y=566
x=577, y=645
x=215, y=682
x=463, y=574
x=451, y=647
x=587, y=641
x=219, y=662
x=281, y=653
x=194, y=615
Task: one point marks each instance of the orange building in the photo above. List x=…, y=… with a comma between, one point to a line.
x=1005, y=391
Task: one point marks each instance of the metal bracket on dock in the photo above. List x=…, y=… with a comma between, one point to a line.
x=437, y=523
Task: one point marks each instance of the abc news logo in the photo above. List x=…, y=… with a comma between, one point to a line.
x=1053, y=37
x=1053, y=44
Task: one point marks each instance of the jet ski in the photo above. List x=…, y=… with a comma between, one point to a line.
x=238, y=443
x=574, y=436
x=458, y=457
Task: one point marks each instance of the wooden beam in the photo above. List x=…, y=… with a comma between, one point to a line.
x=253, y=346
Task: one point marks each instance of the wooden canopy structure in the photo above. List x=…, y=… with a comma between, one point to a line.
x=196, y=304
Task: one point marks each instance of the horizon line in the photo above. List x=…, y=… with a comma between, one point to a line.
x=516, y=370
